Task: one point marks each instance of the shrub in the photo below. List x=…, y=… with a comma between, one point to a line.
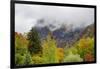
x=73, y=58
x=73, y=50
x=19, y=59
x=88, y=57
x=37, y=59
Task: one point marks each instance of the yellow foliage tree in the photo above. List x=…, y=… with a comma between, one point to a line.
x=49, y=50
x=60, y=54
x=85, y=46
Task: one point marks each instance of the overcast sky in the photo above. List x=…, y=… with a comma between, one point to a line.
x=26, y=16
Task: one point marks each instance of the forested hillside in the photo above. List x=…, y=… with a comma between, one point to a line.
x=42, y=46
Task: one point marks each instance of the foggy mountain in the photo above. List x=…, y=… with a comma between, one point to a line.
x=65, y=34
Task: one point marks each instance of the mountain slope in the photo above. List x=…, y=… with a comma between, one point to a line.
x=64, y=37
x=89, y=31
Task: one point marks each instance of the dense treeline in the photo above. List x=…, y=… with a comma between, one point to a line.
x=30, y=50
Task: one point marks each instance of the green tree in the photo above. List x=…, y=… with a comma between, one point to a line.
x=34, y=45
x=37, y=59
x=22, y=56
x=86, y=46
x=49, y=50
x=28, y=59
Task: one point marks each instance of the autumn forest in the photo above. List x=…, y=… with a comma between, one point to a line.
x=30, y=48
x=54, y=35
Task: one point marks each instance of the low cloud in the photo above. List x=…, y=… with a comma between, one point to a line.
x=27, y=16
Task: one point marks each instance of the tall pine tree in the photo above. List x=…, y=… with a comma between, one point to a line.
x=34, y=43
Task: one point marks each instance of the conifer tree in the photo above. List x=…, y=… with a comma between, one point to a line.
x=34, y=43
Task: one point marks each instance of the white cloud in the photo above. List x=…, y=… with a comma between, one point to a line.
x=23, y=24
x=26, y=16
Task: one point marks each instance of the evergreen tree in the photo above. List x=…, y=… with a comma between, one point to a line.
x=34, y=43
